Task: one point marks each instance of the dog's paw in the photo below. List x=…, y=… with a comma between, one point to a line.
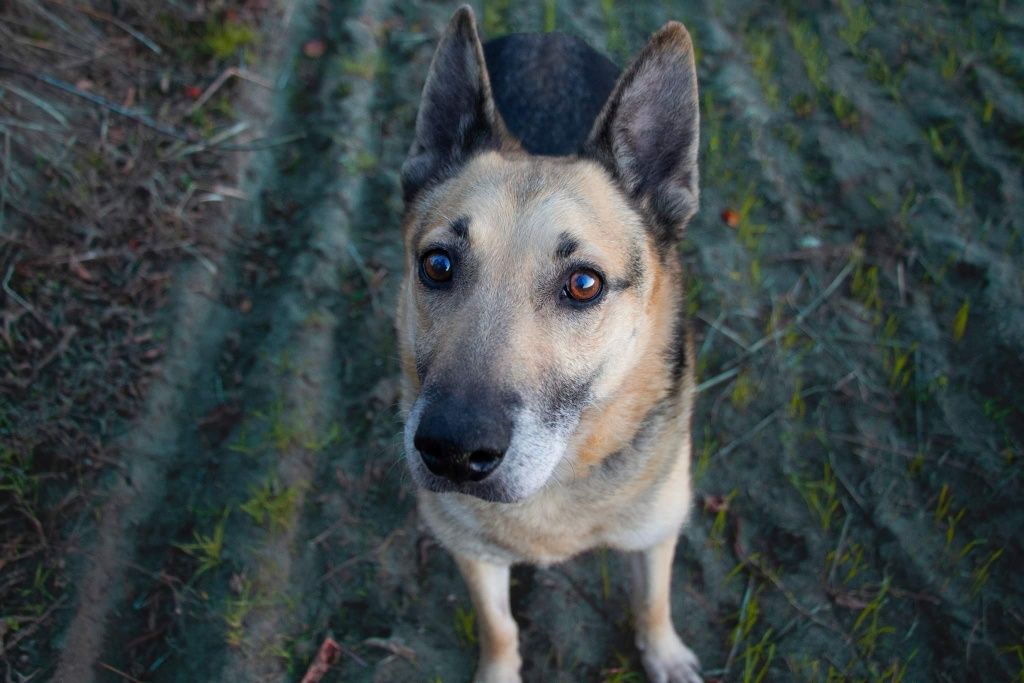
x=504, y=671
x=667, y=660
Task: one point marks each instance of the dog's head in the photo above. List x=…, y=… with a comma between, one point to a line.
x=538, y=317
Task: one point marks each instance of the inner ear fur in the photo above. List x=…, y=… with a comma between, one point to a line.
x=457, y=116
x=648, y=133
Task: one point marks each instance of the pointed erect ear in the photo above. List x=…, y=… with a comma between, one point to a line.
x=647, y=135
x=457, y=115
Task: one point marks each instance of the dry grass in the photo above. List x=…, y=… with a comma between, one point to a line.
x=109, y=118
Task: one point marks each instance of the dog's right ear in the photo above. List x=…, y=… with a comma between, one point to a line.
x=648, y=133
x=457, y=115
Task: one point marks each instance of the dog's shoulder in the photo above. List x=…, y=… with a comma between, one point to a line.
x=549, y=88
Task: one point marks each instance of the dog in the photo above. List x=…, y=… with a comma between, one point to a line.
x=547, y=359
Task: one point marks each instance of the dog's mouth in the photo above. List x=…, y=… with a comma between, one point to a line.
x=488, y=491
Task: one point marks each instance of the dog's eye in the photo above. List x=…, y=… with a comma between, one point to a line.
x=583, y=285
x=436, y=267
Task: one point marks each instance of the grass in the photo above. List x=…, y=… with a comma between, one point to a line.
x=236, y=610
x=757, y=655
x=777, y=377
x=950, y=64
x=465, y=625
x=224, y=38
x=365, y=67
x=820, y=495
x=880, y=72
x=495, y=19
x=960, y=320
x=748, y=230
x=550, y=15
x=864, y=287
x=271, y=506
x=851, y=560
x=716, y=536
x=286, y=430
x=939, y=148
x=742, y=390
x=616, y=41
x=708, y=446
x=83, y=336
x=762, y=61
x=956, y=175
x=797, y=407
x=17, y=476
x=845, y=112
x=1018, y=651
x=757, y=658
x=982, y=573
x=207, y=549
x=898, y=360
x=622, y=672
x=869, y=627
x=858, y=23
x=897, y=670
x=815, y=61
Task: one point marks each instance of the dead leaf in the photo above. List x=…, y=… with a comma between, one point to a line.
x=79, y=270
x=716, y=504
x=731, y=217
x=325, y=657
x=314, y=48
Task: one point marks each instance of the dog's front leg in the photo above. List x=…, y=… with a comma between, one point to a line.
x=499, y=636
x=665, y=657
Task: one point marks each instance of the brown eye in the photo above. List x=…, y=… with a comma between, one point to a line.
x=583, y=286
x=436, y=267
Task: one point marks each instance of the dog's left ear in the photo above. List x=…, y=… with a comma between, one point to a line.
x=457, y=115
x=647, y=134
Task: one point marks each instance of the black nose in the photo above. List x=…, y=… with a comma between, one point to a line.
x=462, y=442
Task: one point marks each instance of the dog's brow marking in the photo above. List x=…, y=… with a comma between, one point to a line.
x=567, y=244
x=636, y=270
x=460, y=227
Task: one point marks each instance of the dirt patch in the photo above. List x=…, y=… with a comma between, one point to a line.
x=856, y=271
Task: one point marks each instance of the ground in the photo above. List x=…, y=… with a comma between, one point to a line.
x=855, y=273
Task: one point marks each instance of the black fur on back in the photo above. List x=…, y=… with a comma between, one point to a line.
x=549, y=88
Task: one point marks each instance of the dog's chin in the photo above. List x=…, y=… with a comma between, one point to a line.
x=491, y=492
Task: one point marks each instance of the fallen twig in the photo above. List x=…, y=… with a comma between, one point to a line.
x=24, y=633
x=732, y=368
x=103, y=16
x=127, y=112
x=122, y=674
x=392, y=646
x=25, y=304
x=220, y=80
x=801, y=315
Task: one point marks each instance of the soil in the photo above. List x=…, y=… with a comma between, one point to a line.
x=856, y=274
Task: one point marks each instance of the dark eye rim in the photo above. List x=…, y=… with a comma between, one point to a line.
x=429, y=281
x=568, y=299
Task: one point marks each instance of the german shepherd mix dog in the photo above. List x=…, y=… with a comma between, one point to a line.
x=548, y=366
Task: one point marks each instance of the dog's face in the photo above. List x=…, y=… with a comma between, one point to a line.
x=539, y=290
